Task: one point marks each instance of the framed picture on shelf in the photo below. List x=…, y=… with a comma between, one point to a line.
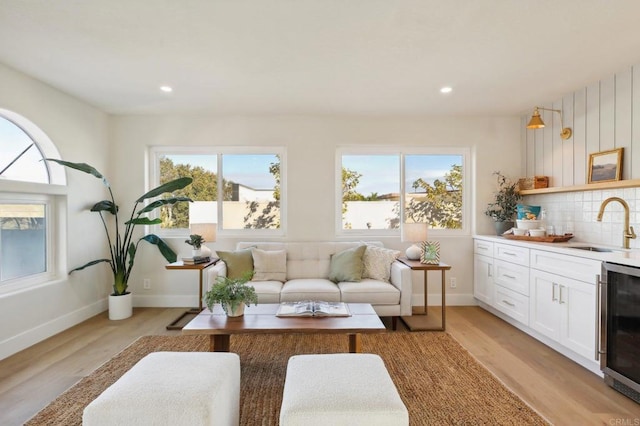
x=605, y=166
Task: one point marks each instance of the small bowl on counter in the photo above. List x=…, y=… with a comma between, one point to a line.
x=537, y=233
x=519, y=231
x=528, y=224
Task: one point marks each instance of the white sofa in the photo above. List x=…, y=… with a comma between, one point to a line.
x=307, y=278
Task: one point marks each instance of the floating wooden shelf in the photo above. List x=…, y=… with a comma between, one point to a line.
x=629, y=183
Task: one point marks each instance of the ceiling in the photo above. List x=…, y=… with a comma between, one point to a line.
x=373, y=57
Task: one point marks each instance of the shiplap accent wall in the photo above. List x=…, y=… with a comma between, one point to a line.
x=603, y=116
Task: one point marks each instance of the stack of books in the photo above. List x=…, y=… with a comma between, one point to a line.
x=195, y=260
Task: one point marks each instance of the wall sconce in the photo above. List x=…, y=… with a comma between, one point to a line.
x=537, y=123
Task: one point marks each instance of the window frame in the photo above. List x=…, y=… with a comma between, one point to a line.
x=153, y=179
x=402, y=152
x=49, y=273
x=52, y=194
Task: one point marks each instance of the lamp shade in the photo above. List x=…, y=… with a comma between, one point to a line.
x=535, y=122
x=414, y=232
x=206, y=230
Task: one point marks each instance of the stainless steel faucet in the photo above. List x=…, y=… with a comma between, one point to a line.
x=627, y=232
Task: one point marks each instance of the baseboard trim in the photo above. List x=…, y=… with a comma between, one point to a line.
x=435, y=299
x=164, y=301
x=37, y=334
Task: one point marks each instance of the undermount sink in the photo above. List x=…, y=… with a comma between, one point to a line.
x=591, y=248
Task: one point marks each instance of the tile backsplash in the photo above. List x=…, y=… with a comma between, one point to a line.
x=576, y=212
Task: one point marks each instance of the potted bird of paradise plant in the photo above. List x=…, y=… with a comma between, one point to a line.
x=122, y=246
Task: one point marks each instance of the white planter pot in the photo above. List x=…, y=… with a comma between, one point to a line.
x=196, y=252
x=120, y=307
x=237, y=313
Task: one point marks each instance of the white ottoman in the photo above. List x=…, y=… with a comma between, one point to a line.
x=340, y=389
x=172, y=388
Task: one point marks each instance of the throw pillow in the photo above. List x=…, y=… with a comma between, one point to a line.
x=377, y=262
x=347, y=265
x=238, y=262
x=269, y=265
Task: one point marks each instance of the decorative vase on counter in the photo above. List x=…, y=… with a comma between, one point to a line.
x=502, y=226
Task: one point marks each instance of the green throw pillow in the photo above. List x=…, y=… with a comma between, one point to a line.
x=347, y=265
x=238, y=262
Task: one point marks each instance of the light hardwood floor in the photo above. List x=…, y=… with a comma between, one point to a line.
x=562, y=391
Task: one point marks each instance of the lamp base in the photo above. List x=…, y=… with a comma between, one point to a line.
x=205, y=251
x=413, y=252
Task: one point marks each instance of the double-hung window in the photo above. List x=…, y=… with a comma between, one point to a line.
x=381, y=188
x=241, y=189
x=29, y=204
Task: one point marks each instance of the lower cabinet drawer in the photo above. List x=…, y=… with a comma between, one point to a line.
x=511, y=276
x=511, y=303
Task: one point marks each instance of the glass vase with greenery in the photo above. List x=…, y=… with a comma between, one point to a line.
x=232, y=294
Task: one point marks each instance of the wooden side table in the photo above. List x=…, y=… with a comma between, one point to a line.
x=196, y=267
x=416, y=265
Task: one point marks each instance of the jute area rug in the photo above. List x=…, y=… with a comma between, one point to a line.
x=438, y=380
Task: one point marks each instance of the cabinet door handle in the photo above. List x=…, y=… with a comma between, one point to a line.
x=598, y=307
x=489, y=273
x=561, y=301
x=554, y=298
x=509, y=276
x=508, y=253
x=506, y=302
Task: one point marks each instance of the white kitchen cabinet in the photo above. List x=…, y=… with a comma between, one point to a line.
x=483, y=271
x=564, y=310
x=511, y=303
x=482, y=278
x=512, y=276
x=547, y=293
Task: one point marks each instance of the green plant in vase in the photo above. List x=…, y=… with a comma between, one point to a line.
x=195, y=241
x=505, y=204
x=232, y=294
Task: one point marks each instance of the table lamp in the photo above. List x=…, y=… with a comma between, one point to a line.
x=208, y=232
x=414, y=233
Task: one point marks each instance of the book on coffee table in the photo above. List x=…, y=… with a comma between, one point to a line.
x=311, y=308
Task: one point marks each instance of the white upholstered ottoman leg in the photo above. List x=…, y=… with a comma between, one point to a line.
x=172, y=388
x=340, y=389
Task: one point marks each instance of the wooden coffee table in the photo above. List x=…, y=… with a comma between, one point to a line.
x=262, y=319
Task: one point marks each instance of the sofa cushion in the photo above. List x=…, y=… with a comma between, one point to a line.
x=377, y=262
x=347, y=265
x=267, y=291
x=309, y=289
x=371, y=291
x=269, y=265
x=238, y=262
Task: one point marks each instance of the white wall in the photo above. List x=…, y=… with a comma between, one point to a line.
x=604, y=115
x=117, y=147
x=311, y=144
x=80, y=134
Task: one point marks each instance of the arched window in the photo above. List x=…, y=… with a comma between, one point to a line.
x=28, y=203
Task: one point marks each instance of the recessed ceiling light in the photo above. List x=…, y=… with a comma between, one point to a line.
x=446, y=89
x=166, y=89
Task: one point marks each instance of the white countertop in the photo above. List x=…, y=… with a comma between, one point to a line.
x=630, y=257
